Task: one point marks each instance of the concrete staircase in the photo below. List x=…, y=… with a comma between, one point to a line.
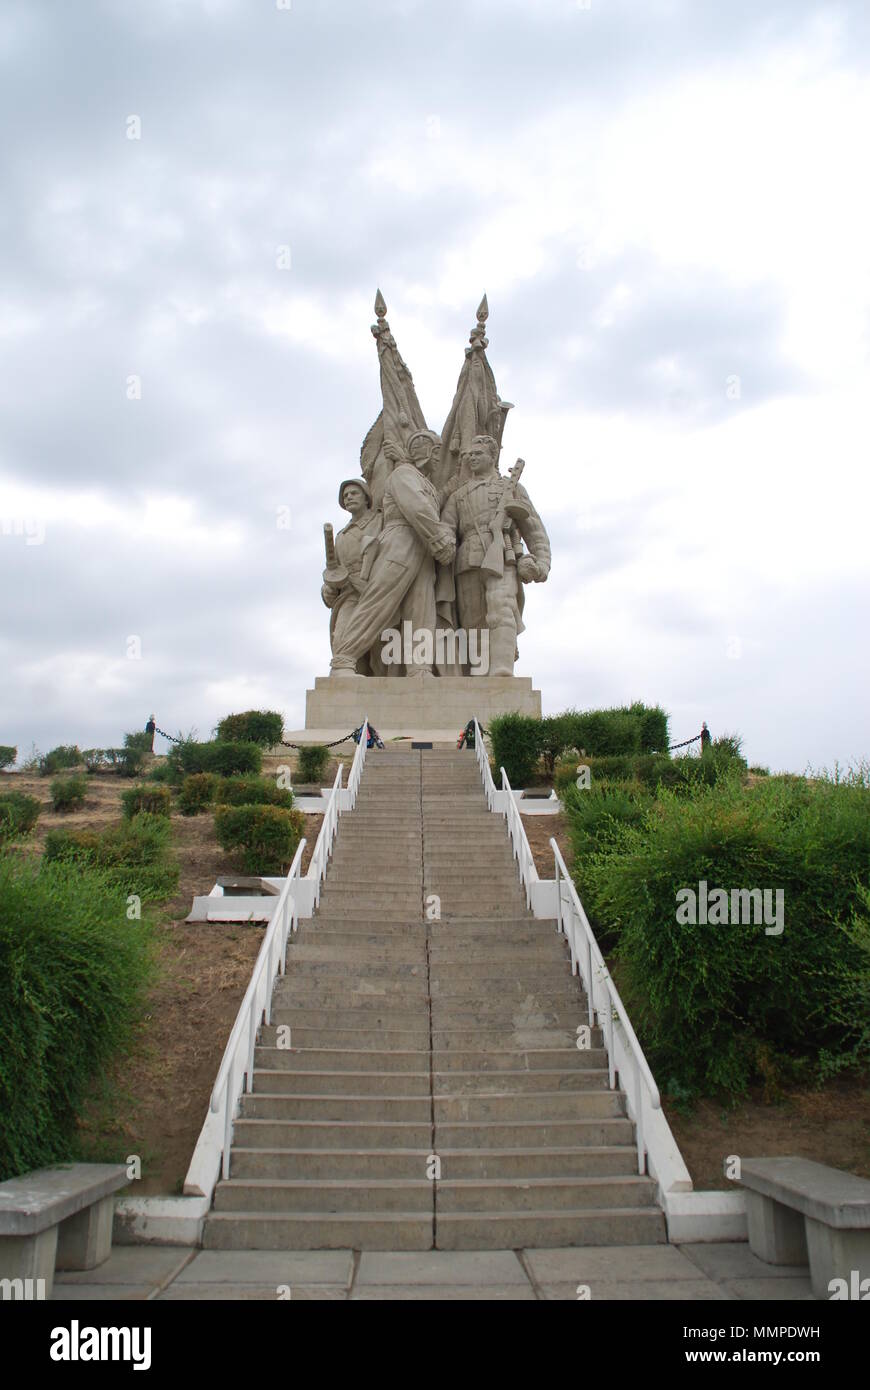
x=419, y=1041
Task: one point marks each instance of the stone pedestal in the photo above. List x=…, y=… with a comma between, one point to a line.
x=411, y=706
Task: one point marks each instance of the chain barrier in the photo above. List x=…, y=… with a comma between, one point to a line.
x=685, y=742
x=165, y=735
x=354, y=734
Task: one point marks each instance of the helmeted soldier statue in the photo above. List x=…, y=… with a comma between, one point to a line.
x=346, y=563
x=492, y=516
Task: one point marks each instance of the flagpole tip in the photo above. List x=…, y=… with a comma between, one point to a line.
x=483, y=310
x=380, y=305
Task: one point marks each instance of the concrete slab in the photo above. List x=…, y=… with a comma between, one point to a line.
x=459, y=1268
x=732, y=1260
x=144, y=1265
x=263, y=1293
x=443, y=1293
x=97, y=1293
x=772, y=1290
x=646, y=1290
x=270, y=1267
x=610, y=1264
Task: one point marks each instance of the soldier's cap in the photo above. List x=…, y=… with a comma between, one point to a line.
x=354, y=482
x=434, y=439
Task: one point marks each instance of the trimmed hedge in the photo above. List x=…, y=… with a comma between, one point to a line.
x=266, y=836
x=252, y=791
x=18, y=814
x=68, y=793
x=197, y=792
x=312, y=762
x=132, y=854
x=516, y=746
x=73, y=975
x=518, y=741
x=223, y=758
x=261, y=726
x=8, y=754
x=717, y=1006
x=154, y=799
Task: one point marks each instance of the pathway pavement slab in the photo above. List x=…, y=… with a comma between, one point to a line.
x=144, y=1266
x=735, y=1260
x=264, y=1293
x=459, y=1268
x=272, y=1267
x=646, y=1290
x=610, y=1263
x=772, y=1290
x=443, y=1293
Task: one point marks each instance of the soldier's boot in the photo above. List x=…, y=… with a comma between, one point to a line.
x=502, y=646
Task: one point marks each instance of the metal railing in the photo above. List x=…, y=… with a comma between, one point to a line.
x=323, y=847
x=519, y=840
x=483, y=764
x=624, y=1053
x=356, y=767
x=256, y=1007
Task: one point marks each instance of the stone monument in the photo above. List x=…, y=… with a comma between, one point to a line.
x=425, y=584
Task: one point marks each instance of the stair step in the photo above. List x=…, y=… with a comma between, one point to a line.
x=542, y=1194
x=244, y=1195
x=549, y=1229
x=318, y=1231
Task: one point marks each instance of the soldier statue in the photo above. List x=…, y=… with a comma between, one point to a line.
x=492, y=516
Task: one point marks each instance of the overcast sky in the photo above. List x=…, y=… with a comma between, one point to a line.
x=667, y=204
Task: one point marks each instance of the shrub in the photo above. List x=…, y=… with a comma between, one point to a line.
x=94, y=759
x=68, y=793
x=635, y=728
x=18, y=814
x=73, y=974
x=261, y=726
x=197, y=792
x=224, y=759
x=8, y=754
x=267, y=836
x=515, y=747
x=555, y=734
x=131, y=758
x=131, y=854
x=252, y=791
x=156, y=800
x=64, y=756
x=160, y=772
x=312, y=761
x=597, y=813
x=749, y=1004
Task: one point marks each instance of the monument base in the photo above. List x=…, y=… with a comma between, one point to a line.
x=409, y=706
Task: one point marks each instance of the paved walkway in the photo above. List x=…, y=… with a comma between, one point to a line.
x=687, y=1272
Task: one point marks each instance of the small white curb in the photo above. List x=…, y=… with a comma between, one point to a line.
x=159, y=1220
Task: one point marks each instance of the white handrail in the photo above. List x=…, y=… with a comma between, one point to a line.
x=483, y=764
x=357, y=765
x=255, y=1006
x=624, y=1052
x=519, y=840
x=323, y=846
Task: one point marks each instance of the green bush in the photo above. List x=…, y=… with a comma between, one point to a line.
x=94, y=759
x=73, y=975
x=635, y=728
x=267, y=836
x=312, y=761
x=261, y=726
x=157, y=800
x=64, y=756
x=68, y=793
x=131, y=758
x=252, y=791
x=717, y=1006
x=224, y=759
x=18, y=814
x=597, y=813
x=516, y=745
x=160, y=772
x=8, y=754
x=197, y=792
x=132, y=854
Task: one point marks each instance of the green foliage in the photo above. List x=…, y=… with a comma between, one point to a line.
x=516, y=746
x=160, y=772
x=64, y=756
x=18, y=814
x=261, y=726
x=266, y=836
x=718, y=1005
x=635, y=728
x=73, y=975
x=131, y=759
x=224, y=759
x=252, y=791
x=312, y=761
x=95, y=759
x=68, y=793
x=8, y=754
x=157, y=800
x=132, y=854
x=197, y=792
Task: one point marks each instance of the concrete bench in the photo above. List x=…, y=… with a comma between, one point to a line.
x=802, y=1212
x=57, y=1218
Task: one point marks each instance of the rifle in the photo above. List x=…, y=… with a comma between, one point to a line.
x=511, y=508
x=334, y=573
